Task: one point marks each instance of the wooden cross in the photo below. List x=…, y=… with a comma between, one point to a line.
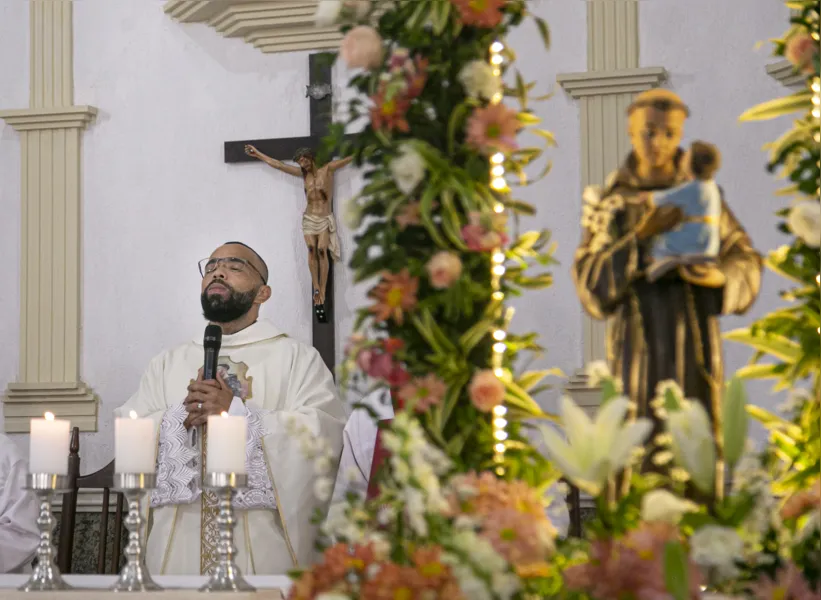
x=320, y=92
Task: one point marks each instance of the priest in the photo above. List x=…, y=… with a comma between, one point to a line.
x=264, y=375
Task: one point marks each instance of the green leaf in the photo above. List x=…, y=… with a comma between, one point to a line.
x=800, y=101
x=544, y=31
x=758, y=372
x=527, y=118
x=734, y=421
x=474, y=335
x=609, y=389
x=520, y=207
x=778, y=346
x=528, y=380
x=519, y=398
x=676, y=573
x=773, y=422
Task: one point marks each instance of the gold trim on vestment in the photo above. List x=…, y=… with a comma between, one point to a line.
x=170, y=540
x=279, y=507
x=209, y=511
x=248, y=546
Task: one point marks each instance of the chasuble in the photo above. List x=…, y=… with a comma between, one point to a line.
x=667, y=329
x=19, y=508
x=275, y=380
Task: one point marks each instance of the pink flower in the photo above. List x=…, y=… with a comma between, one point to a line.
x=364, y=359
x=362, y=48
x=423, y=392
x=484, y=233
x=493, y=129
x=630, y=567
x=789, y=584
x=486, y=390
x=408, y=215
x=800, y=51
x=514, y=535
x=443, y=269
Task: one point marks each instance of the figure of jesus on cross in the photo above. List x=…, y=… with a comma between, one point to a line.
x=318, y=223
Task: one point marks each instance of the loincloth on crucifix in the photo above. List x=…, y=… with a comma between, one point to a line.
x=315, y=225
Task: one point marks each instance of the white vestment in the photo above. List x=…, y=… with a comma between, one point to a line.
x=359, y=441
x=278, y=380
x=18, y=511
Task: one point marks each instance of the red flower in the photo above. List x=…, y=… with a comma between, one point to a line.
x=480, y=13
x=393, y=345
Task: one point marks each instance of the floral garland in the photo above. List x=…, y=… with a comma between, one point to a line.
x=792, y=335
x=434, y=220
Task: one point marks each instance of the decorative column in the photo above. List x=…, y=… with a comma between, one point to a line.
x=604, y=92
x=50, y=271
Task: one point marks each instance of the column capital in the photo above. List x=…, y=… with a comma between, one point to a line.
x=784, y=73
x=622, y=81
x=62, y=117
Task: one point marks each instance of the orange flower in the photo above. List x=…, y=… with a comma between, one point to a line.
x=423, y=392
x=391, y=583
x=481, y=13
x=493, y=129
x=800, y=51
x=395, y=294
x=802, y=502
x=515, y=536
x=389, y=112
x=432, y=572
x=537, y=569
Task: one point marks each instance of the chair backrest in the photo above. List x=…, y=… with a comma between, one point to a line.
x=102, y=479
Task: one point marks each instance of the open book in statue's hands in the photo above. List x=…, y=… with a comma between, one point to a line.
x=696, y=239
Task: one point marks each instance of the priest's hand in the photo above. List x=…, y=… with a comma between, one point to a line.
x=207, y=398
x=660, y=219
x=703, y=275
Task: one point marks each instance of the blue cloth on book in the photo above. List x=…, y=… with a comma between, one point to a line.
x=697, y=238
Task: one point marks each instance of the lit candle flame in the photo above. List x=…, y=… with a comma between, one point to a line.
x=223, y=414
x=132, y=414
x=49, y=416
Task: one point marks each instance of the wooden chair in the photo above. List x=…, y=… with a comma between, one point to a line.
x=574, y=506
x=102, y=479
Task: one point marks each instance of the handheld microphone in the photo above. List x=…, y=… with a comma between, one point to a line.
x=212, y=341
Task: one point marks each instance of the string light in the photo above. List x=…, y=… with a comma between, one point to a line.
x=498, y=184
x=816, y=97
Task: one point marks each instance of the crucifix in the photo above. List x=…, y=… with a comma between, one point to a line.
x=318, y=223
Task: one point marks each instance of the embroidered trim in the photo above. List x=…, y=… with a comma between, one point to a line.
x=260, y=491
x=278, y=512
x=178, y=479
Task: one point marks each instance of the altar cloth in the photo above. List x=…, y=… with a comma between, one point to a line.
x=177, y=587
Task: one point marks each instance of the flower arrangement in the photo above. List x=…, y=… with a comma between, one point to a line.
x=792, y=335
x=460, y=512
x=679, y=532
x=437, y=221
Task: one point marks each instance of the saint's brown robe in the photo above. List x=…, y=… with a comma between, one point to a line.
x=667, y=329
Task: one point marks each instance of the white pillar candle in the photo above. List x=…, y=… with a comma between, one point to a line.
x=48, y=445
x=226, y=444
x=135, y=444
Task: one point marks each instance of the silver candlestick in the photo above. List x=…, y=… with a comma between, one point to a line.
x=46, y=576
x=227, y=576
x=134, y=576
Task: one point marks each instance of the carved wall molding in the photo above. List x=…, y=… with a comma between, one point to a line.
x=269, y=25
x=784, y=73
x=604, y=92
x=50, y=275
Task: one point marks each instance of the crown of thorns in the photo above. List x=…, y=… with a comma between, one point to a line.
x=304, y=153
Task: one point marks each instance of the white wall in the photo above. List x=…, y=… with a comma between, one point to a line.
x=710, y=50
x=14, y=88
x=158, y=196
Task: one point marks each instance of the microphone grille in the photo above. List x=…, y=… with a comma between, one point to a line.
x=213, y=336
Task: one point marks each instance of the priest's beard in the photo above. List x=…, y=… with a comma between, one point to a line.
x=217, y=309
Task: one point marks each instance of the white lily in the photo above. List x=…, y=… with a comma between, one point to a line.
x=693, y=445
x=665, y=507
x=594, y=450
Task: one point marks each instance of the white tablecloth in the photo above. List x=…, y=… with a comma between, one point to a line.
x=167, y=581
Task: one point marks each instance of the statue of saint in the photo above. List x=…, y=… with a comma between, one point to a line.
x=667, y=328
x=318, y=224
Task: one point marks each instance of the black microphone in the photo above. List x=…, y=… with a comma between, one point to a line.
x=211, y=342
